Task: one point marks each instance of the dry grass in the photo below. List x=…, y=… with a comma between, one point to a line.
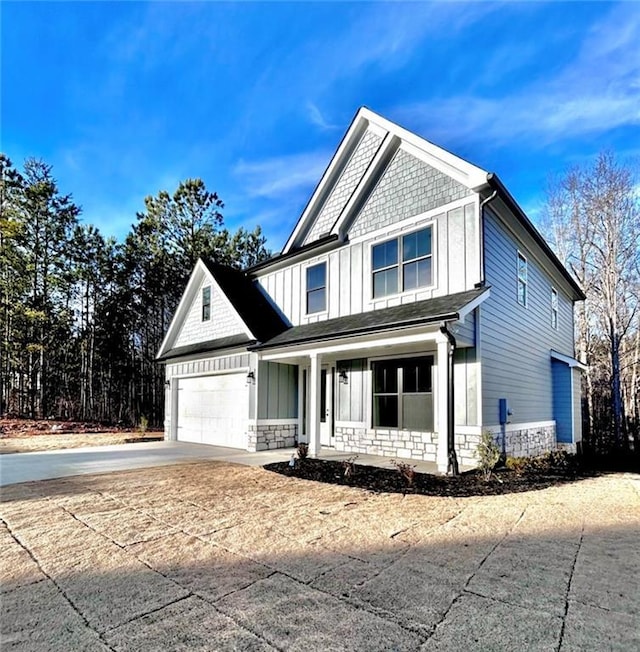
x=33, y=443
x=210, y=555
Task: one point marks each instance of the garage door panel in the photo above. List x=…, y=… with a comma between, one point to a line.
x=213, y=410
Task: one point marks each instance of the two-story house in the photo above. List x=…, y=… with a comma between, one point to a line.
x=413, y=306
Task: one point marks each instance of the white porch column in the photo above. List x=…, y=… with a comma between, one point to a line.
x=314, y=404
x=443, y=402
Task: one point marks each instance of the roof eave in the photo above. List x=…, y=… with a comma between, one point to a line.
x=494, y=182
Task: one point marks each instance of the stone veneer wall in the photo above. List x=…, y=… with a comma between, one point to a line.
x=390, y=443
x=264, y=437
x=526, y=442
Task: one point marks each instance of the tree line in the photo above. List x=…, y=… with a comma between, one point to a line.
x=82, y=315
x=592, y=219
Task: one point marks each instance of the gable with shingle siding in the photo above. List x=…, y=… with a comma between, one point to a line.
x=408, y=187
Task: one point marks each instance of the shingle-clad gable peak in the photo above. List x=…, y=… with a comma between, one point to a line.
x=369, y=148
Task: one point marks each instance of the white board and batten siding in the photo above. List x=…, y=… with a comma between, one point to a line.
x=515, y=340
x=349, y=274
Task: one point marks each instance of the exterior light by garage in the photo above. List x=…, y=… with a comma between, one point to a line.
x=251, y=378
x=344, y=379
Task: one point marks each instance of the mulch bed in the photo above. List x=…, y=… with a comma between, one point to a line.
x=470, y=483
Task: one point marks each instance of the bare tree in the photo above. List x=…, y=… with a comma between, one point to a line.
x=592, y=218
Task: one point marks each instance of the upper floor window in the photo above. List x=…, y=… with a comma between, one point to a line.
x=404, y=262
x=316, y=288
x=554, y=308
x=206, y=303
x=522, y=280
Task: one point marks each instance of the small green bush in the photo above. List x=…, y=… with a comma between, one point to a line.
x=488, y=454
x=143, y=425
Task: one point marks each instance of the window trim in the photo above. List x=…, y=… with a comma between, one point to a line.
x=555, y=308
x=401, y=263
x=206, y=306
x=400, y=389
x=524, y=281
x=324, y=287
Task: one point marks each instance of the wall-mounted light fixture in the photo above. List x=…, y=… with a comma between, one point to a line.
x=251, y=378
x=344, y=379
x=168, y=383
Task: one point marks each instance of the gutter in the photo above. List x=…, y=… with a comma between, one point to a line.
x=483, y=203
x=452, y=465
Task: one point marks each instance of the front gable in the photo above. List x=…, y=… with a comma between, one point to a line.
x=223, y=320
x=381, y=174
x=408, y=187
x=188, y=327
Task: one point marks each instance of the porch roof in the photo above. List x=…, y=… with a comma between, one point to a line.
x=429, y=311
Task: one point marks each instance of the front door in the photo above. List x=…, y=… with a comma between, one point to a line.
x=326, y=406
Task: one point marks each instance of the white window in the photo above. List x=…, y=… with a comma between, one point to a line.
x=554, y=308
x=522, y=280
x=403, y=394
x=206, y=303
x=316, y=288
x=404, y=263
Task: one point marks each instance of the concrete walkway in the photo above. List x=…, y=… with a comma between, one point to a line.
x=24, y=467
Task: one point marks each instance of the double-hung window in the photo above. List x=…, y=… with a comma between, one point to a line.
x=522, y=280
x=316, y=288
x=554, y=308
x=402, y=264
x=403, y=394
x=206, y=303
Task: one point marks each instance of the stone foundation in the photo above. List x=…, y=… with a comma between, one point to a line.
x=262, y=437
x=388, y=443
x=526, y=442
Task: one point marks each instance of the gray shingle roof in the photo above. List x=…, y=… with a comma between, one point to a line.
x=409, y=314
x=232, y=341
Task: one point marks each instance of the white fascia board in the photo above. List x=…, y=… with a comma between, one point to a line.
x=355, y=131
x=185, y=302
x=461, y=170
x=353, y=344
x=472, y=305
x=568, y=360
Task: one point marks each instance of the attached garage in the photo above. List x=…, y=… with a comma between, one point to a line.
x=213, y=410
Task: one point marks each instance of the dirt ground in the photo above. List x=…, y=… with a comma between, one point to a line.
x=214, y=556
x=27, y=435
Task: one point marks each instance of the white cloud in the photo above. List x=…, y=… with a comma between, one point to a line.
x=597, y=92
x=284, y=175
x=317, y=118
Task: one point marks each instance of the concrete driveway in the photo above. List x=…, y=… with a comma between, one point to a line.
x=24, y=467
x=215, y=556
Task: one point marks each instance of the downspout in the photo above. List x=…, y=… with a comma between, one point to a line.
x=483, y=203
x=452, y=466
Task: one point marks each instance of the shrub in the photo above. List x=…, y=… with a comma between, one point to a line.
x=349, y=466
x=518, y=465
x=303, y=451
x=143, y=425
x=407, y=471
x=488, y=454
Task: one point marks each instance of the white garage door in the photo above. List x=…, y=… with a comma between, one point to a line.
x=213, y=410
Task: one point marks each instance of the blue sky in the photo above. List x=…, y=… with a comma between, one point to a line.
x=125, y=99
